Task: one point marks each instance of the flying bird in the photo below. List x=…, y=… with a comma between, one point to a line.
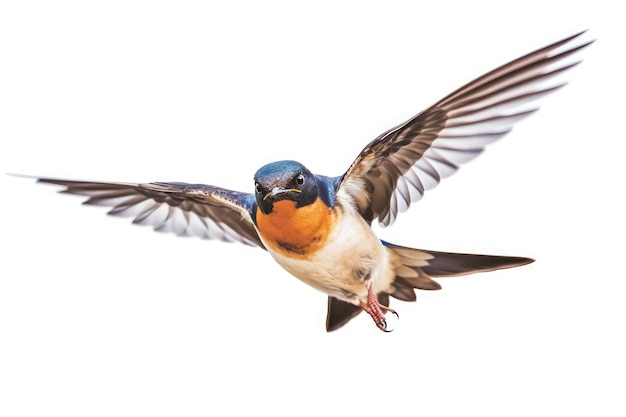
x=318, y=227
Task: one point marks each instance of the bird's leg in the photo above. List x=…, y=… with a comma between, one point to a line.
x=375, y=309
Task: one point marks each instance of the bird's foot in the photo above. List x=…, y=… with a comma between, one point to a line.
x=376, y=310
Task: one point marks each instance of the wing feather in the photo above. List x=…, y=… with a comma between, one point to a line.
x=199, y=210
x=396, y=168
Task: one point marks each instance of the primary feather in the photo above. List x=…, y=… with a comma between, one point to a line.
x=396, y=168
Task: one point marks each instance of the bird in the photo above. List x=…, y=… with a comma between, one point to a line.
x=319, y=228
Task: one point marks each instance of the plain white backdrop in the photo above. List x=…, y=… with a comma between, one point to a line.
x=101, y=318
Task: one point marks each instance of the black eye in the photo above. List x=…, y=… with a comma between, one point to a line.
x=258, y=187
x=300, y=179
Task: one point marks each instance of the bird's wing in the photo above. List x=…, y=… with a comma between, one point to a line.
x=198, y=210
x=397, y=167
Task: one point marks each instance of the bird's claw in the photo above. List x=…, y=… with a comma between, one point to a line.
x=377, y=310
x=384, y=327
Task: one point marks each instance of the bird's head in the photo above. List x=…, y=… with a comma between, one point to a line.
x=284, y=180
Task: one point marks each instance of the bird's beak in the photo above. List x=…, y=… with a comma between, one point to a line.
x=277, y=190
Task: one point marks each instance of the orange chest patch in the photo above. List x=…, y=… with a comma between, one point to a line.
x=296, y=231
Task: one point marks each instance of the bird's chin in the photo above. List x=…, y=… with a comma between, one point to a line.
x=267, y=203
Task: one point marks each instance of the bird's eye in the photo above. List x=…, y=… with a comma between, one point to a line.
x=258, y=187
x=300, y=179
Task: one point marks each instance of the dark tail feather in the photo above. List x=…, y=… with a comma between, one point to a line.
x=415, y=269
x=340, y=312
x=446, y=264
x=418, y=266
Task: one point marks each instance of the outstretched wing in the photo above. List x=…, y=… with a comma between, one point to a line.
x=397, y=167
x=198, y=210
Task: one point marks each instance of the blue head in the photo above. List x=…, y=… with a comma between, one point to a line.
x=284, y=180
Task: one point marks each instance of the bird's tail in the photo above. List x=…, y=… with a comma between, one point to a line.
x=416, y=267
x=415, y=270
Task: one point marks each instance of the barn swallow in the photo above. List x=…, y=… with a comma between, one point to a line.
x=318, y=228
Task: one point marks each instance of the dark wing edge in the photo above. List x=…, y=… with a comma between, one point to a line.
x=204, y=211
x=396, y=168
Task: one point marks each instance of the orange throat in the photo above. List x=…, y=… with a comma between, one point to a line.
x=296, y=231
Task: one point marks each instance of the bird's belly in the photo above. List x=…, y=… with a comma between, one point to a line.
x=351, y=257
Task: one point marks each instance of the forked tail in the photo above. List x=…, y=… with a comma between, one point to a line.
x=415, y=270
x=418, y=266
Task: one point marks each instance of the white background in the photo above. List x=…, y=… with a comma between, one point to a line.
x=100, y=318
